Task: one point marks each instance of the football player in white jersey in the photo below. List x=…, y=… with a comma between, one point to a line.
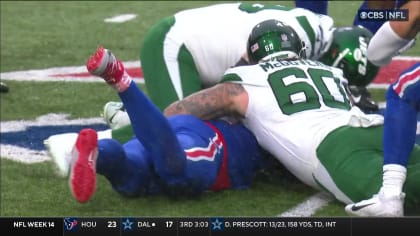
x=171, y=50
x=191, y=50
x=300, y=112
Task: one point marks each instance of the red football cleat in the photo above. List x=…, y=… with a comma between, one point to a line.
x=104, y=64
x=83, y=166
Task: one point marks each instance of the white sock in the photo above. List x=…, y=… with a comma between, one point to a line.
x=105, y=134
x=393, y=179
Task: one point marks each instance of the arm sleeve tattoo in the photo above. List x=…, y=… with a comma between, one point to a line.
x=214, y=102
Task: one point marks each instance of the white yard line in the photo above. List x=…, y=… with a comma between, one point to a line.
x=72, y=73
x=27, y=155
x=309, y=206
x=407, y=58
x=377, y=86
x=120, y=18
x=80, y=74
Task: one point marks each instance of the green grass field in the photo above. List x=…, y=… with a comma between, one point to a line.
x=40, y=35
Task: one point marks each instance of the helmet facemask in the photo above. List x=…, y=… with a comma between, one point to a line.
x=347, y=51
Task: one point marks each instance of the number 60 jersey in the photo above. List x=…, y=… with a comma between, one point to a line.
x=293, y=105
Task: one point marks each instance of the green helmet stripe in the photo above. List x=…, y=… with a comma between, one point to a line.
x=303, y=21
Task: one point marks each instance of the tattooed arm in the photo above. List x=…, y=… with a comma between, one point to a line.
x=224, y=99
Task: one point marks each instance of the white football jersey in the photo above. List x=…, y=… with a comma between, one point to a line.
x=217, y=35
x=292, y=106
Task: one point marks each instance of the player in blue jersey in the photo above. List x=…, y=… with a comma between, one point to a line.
x=402, y=107
x=320, y=6
x=176, y=155
x=403, y=104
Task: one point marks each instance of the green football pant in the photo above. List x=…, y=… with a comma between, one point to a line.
x=353, y=158
x=158, y=56
x=159, y=83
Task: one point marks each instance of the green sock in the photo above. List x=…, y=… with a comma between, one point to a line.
x=123, y=134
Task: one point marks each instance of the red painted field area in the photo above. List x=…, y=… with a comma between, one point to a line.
x=386, y=75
